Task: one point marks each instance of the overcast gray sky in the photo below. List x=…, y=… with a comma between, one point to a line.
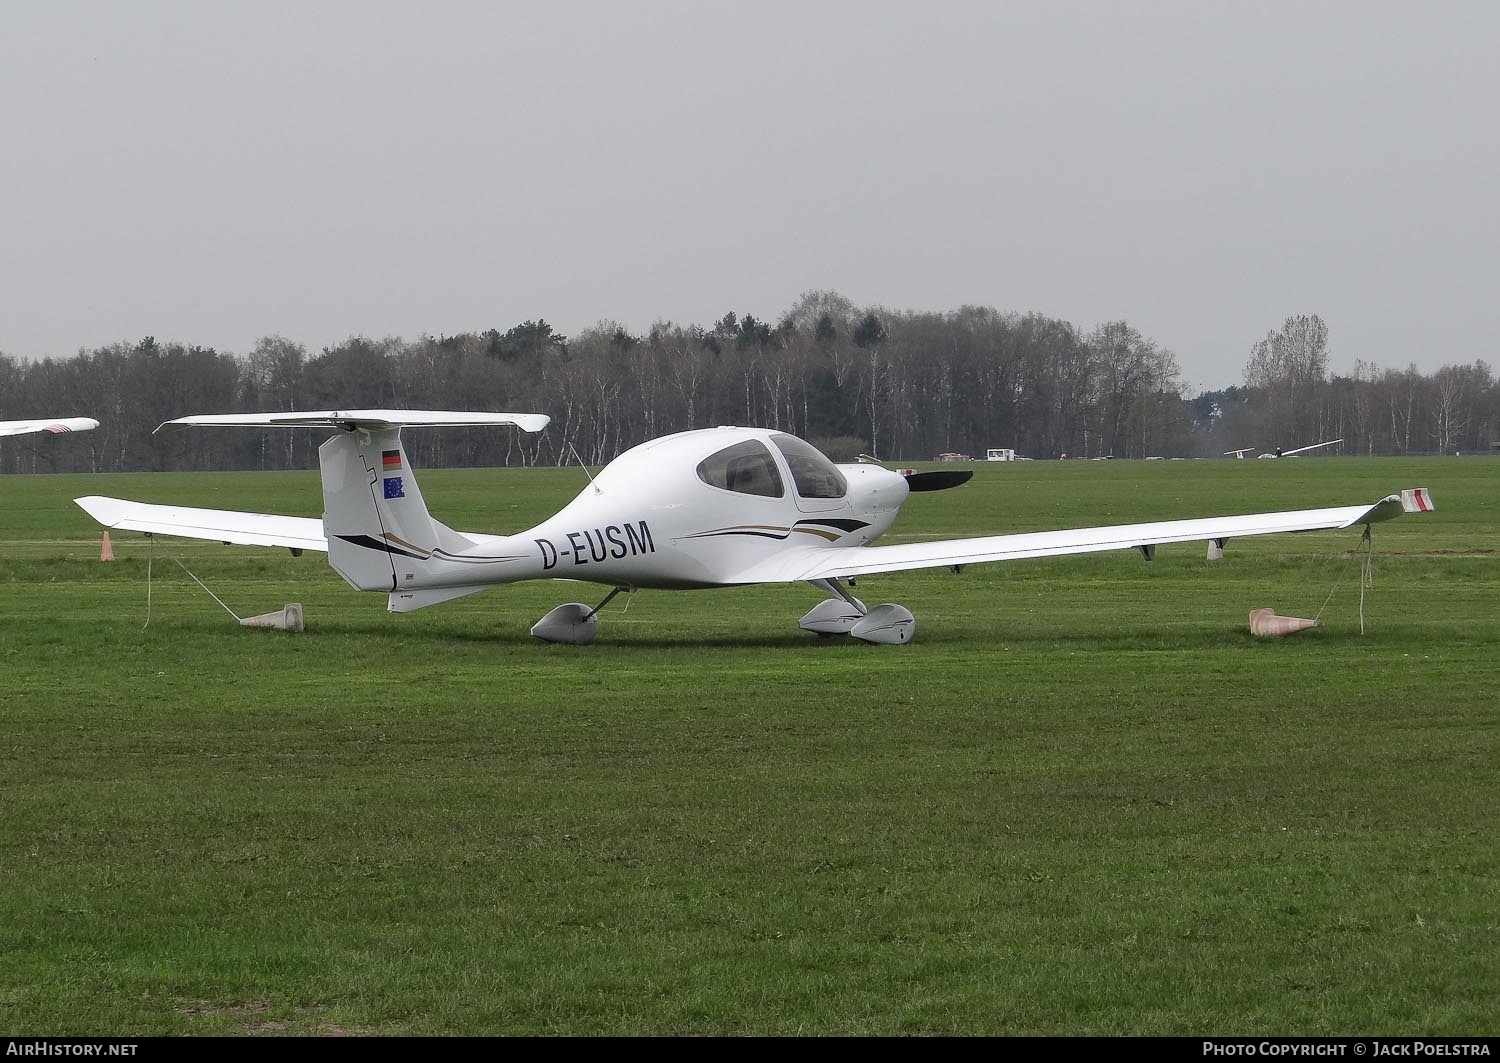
x=215, y=172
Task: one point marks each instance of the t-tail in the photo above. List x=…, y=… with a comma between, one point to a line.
x=380, y=536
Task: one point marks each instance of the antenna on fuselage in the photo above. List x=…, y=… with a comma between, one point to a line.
x=582, y=466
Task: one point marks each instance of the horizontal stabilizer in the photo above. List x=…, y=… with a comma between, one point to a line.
x=215, y=525
x=349, y=420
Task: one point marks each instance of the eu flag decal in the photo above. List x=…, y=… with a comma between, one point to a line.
x=393, y=488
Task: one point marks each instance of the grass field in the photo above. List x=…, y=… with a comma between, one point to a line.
x=1084, y=800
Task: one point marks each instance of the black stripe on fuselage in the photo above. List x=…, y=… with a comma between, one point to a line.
x=375, y=544
x=739, y=531
x=844, y=524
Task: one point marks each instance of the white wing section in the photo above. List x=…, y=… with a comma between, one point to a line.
x=352, y=419
x=216, y=525
x=815, y=563
x=1304, y=450
x=54, y=426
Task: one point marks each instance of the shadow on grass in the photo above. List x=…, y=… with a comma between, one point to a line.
x=327, y=625
x=501, y=634
x=1019, y=638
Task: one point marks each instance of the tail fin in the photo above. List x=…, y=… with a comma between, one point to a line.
x=380, y=535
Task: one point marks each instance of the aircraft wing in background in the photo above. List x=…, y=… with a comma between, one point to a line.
x=53, y=426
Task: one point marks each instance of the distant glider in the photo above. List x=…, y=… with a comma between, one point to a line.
x=1278, y=452
x=716, y=507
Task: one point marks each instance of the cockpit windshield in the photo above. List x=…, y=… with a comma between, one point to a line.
x=812, y=473
x=746, y=468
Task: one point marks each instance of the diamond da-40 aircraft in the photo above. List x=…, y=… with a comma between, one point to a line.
x=714, y=507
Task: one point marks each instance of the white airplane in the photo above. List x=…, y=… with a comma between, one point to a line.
x=1279, y=453
x=53, y=426
x=716, y=507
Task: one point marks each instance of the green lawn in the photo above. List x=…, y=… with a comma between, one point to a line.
x=1084, y=800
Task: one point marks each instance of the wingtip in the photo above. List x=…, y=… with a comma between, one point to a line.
x=96, y=506
x=1417, y=500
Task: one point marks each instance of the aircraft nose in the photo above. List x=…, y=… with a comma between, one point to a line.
x=880, y=489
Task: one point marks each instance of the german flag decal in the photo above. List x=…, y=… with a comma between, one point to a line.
x=390, y=461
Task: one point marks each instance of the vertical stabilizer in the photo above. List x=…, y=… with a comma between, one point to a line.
x=380, y=535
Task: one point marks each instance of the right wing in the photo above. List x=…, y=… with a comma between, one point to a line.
x=810, y=563
x=215, y=525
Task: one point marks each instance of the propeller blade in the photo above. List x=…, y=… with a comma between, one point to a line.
x=937, y=481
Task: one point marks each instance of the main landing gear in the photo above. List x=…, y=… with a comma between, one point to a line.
x=844, y=614
x=577, y=624
x=574, y=623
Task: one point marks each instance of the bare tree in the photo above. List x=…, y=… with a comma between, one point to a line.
x=1289, y=367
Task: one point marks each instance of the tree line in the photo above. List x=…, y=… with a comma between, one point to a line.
x=904, y=385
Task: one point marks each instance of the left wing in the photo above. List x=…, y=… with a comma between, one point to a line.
x=817, y=563
x=229, y=526
x=54, y=426
x=216, y=525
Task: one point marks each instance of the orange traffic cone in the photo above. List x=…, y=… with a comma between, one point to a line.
x=1266, y=623
x=288, y=619
x=106, y=552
